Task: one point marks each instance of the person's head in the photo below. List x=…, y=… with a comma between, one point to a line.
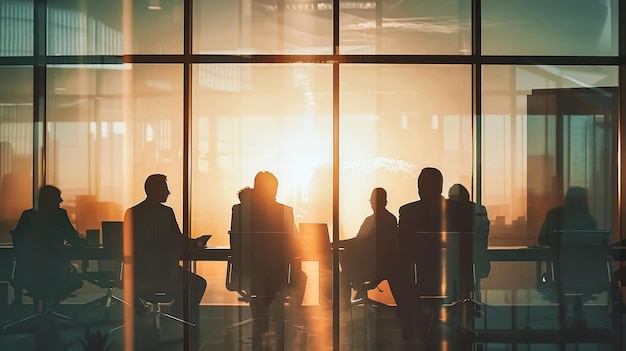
x=156, y=187
x=49, y=197
x=459, y=193
x=265, y=186
x=576, y=200
x=378, y=199
x=429, y=183
x=245, y=194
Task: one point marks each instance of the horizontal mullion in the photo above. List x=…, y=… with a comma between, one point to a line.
x=321, y=59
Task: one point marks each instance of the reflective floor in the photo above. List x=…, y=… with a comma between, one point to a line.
x=372, y=328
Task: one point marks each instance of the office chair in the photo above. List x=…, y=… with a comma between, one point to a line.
x=260, y=269
x=359, y=262
x=39, y=268
x=579, y=269
x=108, y=276
x=444, y=274
x=109, y=273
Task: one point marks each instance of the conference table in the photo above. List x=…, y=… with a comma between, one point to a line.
x=519, y=253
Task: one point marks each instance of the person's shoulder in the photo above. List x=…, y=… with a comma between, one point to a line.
x=409, y=206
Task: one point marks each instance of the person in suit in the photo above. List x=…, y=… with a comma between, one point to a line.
x=372, y=254
x=260, y=212
x=41, y=234
x=431, y=213
x=157, y=246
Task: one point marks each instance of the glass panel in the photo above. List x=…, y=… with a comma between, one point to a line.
x=251, y=118
x=405, y=27
x=262, y=27
x=108, y=128
x=92, y=27
x=16, y=146
x=545, y=121
x=85, y=27
x=16, y=28
x=395, y=120
x=536, y=27
x=549, y=164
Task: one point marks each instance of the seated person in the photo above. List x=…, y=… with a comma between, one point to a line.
x=259, y=212
x=371, y=255
x=41, y=234
x=573, y=215
x=157, y=245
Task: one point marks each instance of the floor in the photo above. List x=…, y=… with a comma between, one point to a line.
x=494, y=332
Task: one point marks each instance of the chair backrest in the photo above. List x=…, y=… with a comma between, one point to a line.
x=583, y=262
x=261, y=263
x=113, y=236
x=443, y=264
x=40, y=262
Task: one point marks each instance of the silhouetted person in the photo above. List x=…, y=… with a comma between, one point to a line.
x=157, y=246
x=259, y=212
x=480, y=226
x=41, y=234
x=433, y=214
x=573, y=215
x=372, y=254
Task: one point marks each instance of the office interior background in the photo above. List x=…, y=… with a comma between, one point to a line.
x=516, y=100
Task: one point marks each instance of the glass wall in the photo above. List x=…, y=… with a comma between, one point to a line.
x=518, y=102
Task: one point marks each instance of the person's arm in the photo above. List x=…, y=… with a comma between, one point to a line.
x=69, y=232
x=545, y=234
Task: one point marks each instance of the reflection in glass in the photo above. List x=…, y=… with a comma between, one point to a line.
x=108, y=128
x=250, y=118
x=16, y=28
x=556, y=27
x=16, y=146
x=394, y=121
x=545, y=128
x=262, y=27
x=92, y=27
x=405, y=27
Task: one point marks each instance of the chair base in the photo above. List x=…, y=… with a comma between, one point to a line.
x=44, y=316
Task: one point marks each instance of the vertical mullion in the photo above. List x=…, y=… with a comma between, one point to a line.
x=187, y=52
x=39, y=95
x=477, y=98
x=335, y=174
x=621, y=131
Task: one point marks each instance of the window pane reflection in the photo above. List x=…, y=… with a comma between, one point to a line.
x=405, y=27
x=263, y=27
x=16, y=146
x=120, y=123
x=546, y=128
x=558, y=27
x=250, y=118
x=16, y=28
x=396, y=120
x=92, y=27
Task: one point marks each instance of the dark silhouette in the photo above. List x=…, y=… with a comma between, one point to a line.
x=577, y=256
x=372, y=254
x=480, y=226
x=431, y=214
x=42, y=267
x=157, y=246
x=573, y=215
x=259, y=212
